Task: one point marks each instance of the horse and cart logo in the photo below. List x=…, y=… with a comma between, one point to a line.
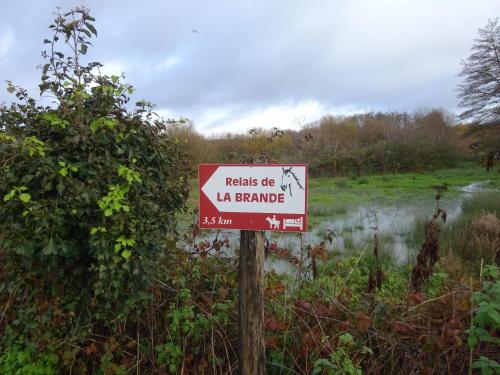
x=287, y=223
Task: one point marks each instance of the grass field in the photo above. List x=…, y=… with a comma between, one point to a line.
x=365, y=189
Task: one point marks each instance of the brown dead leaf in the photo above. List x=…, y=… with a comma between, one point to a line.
x=402, y=328
x=132, y=344
x=207, y=300
x=416, y=298
x=91, y=349
x=345, y=325
x=272, y=341
x=272, y=324
x=464, y=304
x=363, y=322
x=458, y=340
x=223, y=293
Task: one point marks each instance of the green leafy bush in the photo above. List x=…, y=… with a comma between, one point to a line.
x=89, y=187
x=486, y=318
x=17, y=361
x=433, y=285
x=339, y=362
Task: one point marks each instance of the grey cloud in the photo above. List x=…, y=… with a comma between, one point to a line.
x=387, y=55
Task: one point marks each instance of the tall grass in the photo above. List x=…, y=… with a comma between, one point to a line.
x=322, y=210
x=480, y=203
x=475, y=235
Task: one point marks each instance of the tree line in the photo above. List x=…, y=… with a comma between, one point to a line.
x=358, y=144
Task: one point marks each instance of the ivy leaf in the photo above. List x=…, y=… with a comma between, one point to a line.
x=126, y=254
x=108, y=212
x=25, y=197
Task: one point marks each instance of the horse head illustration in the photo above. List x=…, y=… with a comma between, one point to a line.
x=288, y=178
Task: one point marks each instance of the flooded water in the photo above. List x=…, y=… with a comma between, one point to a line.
x=353, y=231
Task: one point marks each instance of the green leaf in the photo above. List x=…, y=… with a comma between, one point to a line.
x=86, y=32
x=91, y=28
x=494, y=315
x=108, y=212
x=25, y=197
x=126, y=254
x=50, y=248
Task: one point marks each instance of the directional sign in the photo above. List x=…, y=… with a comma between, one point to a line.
x=253, y=197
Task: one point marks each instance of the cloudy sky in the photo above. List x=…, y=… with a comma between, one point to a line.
x=233, y=65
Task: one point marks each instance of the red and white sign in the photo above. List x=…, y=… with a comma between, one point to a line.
x=253, y=196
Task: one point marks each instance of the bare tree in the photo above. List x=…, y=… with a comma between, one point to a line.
x=479, y=93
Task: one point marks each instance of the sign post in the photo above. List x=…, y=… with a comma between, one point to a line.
x=252, y=198
x=251, y=345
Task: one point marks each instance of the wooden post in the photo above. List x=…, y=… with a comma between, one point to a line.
x=252, y=349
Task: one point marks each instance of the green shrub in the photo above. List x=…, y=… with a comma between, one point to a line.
x=433, y=285
x=27, y=361
x=341, y=182
x=486, y=318
x=170, y=356
x=339, y=362
x=363, y=181
x=89, y=189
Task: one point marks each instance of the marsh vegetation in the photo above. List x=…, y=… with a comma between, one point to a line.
x=104, y=269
